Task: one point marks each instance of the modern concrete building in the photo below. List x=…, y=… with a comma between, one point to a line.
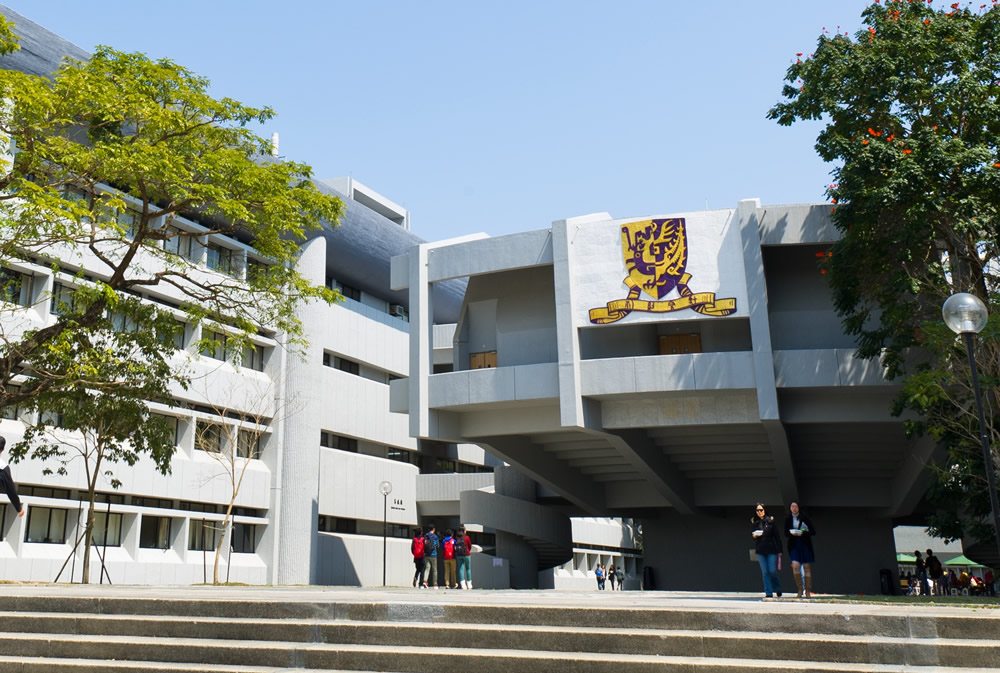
x=677, y=369
x=309, y=509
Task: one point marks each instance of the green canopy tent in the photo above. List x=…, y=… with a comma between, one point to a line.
x=962, y=561
x=908, y=559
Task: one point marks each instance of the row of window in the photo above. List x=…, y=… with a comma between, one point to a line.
x=330, y=440
x=48, y=525
x=354, y=294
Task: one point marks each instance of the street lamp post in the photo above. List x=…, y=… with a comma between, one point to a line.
x=385, y=488
x=966, y=314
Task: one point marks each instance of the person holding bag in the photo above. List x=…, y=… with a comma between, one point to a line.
x=799, y=529
x=767, y=545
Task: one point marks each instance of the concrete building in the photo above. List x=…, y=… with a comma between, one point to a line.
x=677, y=369
x=309, y=509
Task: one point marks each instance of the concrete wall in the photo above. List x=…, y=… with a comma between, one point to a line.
x=800, y=305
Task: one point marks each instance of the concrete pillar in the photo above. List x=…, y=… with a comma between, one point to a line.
x=296, y=492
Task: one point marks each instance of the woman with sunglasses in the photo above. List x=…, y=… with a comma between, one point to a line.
x=767, y=544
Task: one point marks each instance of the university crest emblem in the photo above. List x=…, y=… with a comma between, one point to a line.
x=656, y=254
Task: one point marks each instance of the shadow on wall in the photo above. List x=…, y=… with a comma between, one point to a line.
x=335, y=566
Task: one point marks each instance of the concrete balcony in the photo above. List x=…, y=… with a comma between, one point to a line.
x=659, y=373
x=493, y=385
x=826, y=368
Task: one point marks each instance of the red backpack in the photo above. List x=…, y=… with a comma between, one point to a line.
x=418, y=547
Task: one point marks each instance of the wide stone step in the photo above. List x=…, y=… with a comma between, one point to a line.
x=358, y=659
x=661, y=642
x=807, y=618
x=394, y=648
x=65, y=665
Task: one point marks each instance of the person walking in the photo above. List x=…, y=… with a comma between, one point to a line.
x=767, y=544
x=417, y=549
x=921, y=573
x=599, y=572
x=621, y=578
x=463, y=553
x=612, y=577
x=799, y=531
x=431, y=546
x=7, y=481
x=934, y=572
x=450, y=581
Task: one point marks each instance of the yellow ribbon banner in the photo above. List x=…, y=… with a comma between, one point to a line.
x=702, y=302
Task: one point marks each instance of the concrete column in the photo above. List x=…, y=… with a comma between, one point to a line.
x=296, y=491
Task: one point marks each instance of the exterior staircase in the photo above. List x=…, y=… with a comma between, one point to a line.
x=259, y=631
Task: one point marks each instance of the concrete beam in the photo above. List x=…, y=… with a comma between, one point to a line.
x=655, y=467
x=782, y=456
x=532, y=459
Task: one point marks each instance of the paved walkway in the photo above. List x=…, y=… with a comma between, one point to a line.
x=672, y=600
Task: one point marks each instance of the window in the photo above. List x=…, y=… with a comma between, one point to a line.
x=46, y=525
x=349, y=292
x=105, y=533
x=171, y=422
x=332, y=441
x=218, y=258
x=399, y=455
x=123, y=323
x=10, y=412
x=15, y=287
x=248, y=444
x=244, y=538
x=200, y=507
x=208, y=437
x=214, y=345
x=335, y=524
x=201, y=534
x=52, y=419
x=174, y=337
x=44, y=492
x=178, y=242
x=62, y=301
x=128, y=220
x=154, y=532
x=343, y=364
x=152, y=502
x=253, y=357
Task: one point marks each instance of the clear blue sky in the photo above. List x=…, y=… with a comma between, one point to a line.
x=503, y=116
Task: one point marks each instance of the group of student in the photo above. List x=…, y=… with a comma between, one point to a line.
x=609, y=573
x=455, y=549
x=931, y=579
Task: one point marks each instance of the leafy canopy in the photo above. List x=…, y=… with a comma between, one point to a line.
x=912, y=124
x=101, y=160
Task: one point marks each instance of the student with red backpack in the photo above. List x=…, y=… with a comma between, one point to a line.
x=449, y=560
x=431, y=545
x=463, y=549
x=417, y=549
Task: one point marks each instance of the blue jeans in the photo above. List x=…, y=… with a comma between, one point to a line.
x=769, y=571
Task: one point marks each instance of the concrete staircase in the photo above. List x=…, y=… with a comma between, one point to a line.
x=261, y=634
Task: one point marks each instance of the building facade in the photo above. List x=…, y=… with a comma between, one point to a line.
x=677, y=368
x=313, y=436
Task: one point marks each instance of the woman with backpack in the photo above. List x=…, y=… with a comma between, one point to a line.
x=463, y=549
x=599, y=571
x=417, y=549
x=449, y=560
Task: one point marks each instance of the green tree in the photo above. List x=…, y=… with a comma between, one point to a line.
x=99, y=429
x=97, y=163
x=912, y=122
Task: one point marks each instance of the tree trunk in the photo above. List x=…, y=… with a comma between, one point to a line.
x=88, y=538
x=219, y=540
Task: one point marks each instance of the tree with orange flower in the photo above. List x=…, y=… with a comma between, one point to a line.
x=911, y=122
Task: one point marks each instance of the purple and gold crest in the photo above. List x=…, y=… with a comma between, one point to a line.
x=655, y=253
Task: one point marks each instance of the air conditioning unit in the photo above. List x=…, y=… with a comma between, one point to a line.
x=397, y=310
